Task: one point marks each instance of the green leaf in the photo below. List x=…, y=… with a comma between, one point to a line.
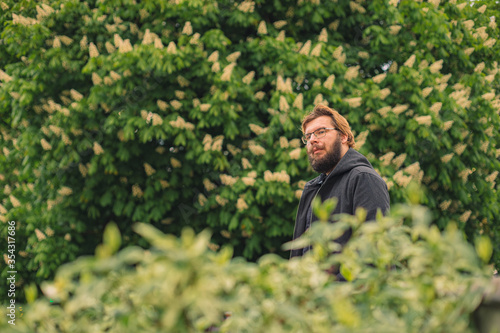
x=484, y=248
x=106, y=198
x=112, y=237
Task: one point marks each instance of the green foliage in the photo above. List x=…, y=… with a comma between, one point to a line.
x=403, y=277
x=187, y=113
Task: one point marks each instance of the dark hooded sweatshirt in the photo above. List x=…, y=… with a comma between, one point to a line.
x=354, y=183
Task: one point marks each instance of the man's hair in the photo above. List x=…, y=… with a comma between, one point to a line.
x=339, y=121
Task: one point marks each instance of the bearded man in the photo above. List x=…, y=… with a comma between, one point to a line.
x=344, y=173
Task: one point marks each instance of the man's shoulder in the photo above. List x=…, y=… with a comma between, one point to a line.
x=361, y=169
x=364, y=171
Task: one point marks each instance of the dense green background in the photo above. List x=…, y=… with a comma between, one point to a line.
x=187, y=113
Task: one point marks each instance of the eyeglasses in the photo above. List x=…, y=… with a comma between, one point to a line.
x=319, y=133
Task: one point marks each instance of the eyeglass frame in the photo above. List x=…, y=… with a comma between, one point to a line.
x=304, y=137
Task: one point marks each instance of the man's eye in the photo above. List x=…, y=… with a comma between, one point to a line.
x=320, y=132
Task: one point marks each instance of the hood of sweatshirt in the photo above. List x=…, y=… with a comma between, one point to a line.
x=350, y=160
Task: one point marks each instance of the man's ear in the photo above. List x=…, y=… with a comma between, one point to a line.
x=343, y=138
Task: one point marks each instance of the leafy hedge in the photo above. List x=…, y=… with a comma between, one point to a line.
x=403, y=276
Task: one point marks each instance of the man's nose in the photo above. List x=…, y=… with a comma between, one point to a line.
x=313, y=138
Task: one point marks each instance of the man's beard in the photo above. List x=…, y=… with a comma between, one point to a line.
x=328, y=162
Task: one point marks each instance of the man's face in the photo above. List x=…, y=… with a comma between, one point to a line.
x=324, y=153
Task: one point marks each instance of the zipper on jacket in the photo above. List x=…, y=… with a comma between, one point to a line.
x=323, y=181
